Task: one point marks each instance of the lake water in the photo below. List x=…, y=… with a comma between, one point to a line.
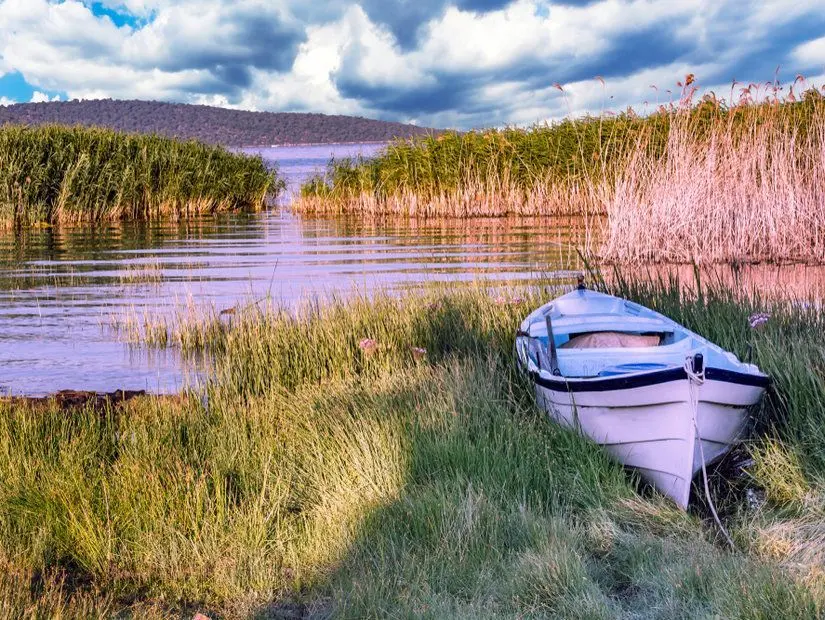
x=297, y=163
x=61, y=289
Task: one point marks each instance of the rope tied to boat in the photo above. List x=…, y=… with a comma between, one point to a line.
x=695, y=371
x=696, y=376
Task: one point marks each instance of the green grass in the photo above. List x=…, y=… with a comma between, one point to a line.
x=432, y=165
x=60, y=175
x=331, y=478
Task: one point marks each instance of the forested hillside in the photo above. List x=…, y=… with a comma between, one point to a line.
x=209, y=124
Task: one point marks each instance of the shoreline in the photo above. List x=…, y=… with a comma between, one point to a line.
x=69, y=400
x=300, y=144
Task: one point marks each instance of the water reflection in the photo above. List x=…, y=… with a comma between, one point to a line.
x=59, y=289
x=791, y=282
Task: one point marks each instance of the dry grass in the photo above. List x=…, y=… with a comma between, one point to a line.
x=739, y=194
x=187, y=327
x=149, y=273
x=473, y=198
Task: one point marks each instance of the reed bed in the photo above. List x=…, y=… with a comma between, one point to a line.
x=65, y=175
x=709, y=181
x=382, y=458
x=739, y=194
x=545, y=170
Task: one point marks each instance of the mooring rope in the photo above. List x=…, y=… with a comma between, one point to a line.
x=695, y=380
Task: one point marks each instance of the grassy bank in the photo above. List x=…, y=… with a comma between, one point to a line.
x=704, y=181
x=382, y=458
x=63, y=175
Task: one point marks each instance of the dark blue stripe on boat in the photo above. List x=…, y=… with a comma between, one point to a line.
x=643, y=380
x=740, y=378
x=610, y=383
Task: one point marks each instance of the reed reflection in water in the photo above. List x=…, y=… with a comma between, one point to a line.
x=61, y=288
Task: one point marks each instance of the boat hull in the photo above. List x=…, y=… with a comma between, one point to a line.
x=647, y=421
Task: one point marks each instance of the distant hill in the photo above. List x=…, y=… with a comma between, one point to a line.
x=209, y=124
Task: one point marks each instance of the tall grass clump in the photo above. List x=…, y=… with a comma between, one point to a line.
x=64, y=175
x=748, y=189
x=544, y=170
x=383, y=458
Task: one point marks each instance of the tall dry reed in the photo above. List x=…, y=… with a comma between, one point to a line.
x=745, y=192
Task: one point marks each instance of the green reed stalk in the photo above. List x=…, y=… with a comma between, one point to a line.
x=61, y=175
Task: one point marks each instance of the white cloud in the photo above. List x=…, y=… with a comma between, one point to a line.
x=48, y=43
x=371, y=53
x=38, y=97
x=491, y=68
x=519, y=32
x=4, y=101
x=811, y=54
x=310, y=84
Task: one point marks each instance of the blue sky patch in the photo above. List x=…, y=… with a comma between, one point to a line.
x=119, y=18
x=15, y=87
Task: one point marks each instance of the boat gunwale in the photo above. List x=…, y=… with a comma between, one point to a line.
x=644, y=379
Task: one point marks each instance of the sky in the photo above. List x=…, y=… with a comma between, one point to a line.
x=437, y=63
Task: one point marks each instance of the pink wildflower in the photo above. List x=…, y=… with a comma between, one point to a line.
x=758, y=319
x=512, y=301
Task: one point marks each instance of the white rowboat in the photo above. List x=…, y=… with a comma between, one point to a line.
x=668, y=406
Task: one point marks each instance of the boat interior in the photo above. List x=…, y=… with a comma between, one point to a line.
x=604, y=344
